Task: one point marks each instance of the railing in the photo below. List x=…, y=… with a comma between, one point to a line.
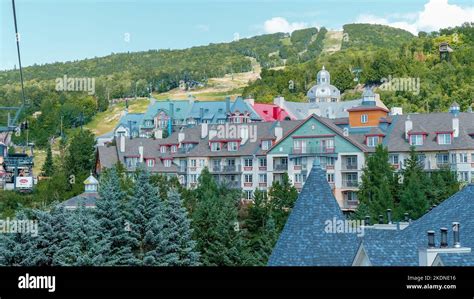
x=351, y=204
x=231, y=184
x=12, y=161
x=281, y=167
x=350, y=183
x=313, y=150
x=231, y=168
x=349, y=166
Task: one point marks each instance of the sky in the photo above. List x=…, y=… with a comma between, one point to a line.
x=67, y=30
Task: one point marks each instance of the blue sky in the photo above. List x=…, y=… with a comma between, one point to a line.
x=64, y=30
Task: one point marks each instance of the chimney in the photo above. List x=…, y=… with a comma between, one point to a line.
x=396, y=111
x=140, y=153
x=367, y=220
x=455, y=126
x=278, y=131
x=250, y=101
x=444, y=237
x=201, y=114
x=457, y=242
x=180, y=136
x=204, y=130
x=279, y=101
x=406, y=217
x=431, y=239
x=408, y=126
x=389, y=216
x=227, y=104
x=122, y=143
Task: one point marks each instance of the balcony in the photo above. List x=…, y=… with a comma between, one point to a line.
x=231, y=168
x=350, y=183
x=231, y=184
x=216, y=168
x=349, y=166
x=312, y=150
x=280, y=167
x=350, y=204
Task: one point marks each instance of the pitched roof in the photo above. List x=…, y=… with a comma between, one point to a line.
x=271, y=112
x=88, y=199
x=400, y=248
x=304, y=241
x=431, y=123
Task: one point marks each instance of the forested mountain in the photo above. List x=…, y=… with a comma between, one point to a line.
x=437, y=83
x=379, y=51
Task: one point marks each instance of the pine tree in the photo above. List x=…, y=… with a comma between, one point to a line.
x=82, y=246
x=15, y=247
x=258, y=213
x=48, y=166
x=413, y=198
x=283, y=196
x=112, y=219
x=375, y=191
x=215, y=223
x=179, y=248
x=146, y=221
x=262, y=249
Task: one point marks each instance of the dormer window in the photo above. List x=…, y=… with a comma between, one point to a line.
x=167, y=163
x=444, y=138
x=232, y=146
x=174, y=148
x=266, y=144
x=150, y=162
x=163, y=149
x=372, y=141
x=215, y=146
x=364, y=118
x=416, y=139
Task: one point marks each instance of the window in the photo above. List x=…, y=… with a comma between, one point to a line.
x=350, y=196
x=174, y=148
x=351, y=162
x=463, y=157
x=364, y=118
x=299, y=146
x=394, y=159
x=263, y=162
x=202, y=163
x=215, y=146
x=297, y=161
x=248, y=178
x=472, y=158
x=442, y=158
x=167, y=163
x=131, y=161
x=331, y=160
x=248, y=162
x=454, y=159
x=232, y=146
x=248, y=194
x=298, y=178
x=416, y=139
x=327, y=144
x=330, y=177
x=150, y=162
x=266, y=144
x=193, y=178
x=231, y=162
x=372, y=141
x=193, y=163
x=163, y=149
x=216, y=164
x=444, y=138
x=464, y=176
x=262, y=178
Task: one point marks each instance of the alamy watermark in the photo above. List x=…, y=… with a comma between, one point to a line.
x=85, y=84
x=409, y=84
x=240, y=131
x=23, y=226
x=344, y=226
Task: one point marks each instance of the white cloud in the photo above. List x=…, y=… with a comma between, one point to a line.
x=279, y=24
x=435, y=15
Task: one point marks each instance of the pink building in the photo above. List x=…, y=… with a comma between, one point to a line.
x=271, y=112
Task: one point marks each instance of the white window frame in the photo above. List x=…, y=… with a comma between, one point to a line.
x=364, y=118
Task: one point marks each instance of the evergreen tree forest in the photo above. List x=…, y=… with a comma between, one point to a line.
x=133, y=224
x=410, y=192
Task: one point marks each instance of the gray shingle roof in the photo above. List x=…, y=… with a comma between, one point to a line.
x=431, y=123
x=400, y=248
x=88, y=199
x=303, y=241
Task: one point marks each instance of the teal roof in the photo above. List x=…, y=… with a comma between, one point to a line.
x=135, y=119
x=242, y=106
x=180, y=108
